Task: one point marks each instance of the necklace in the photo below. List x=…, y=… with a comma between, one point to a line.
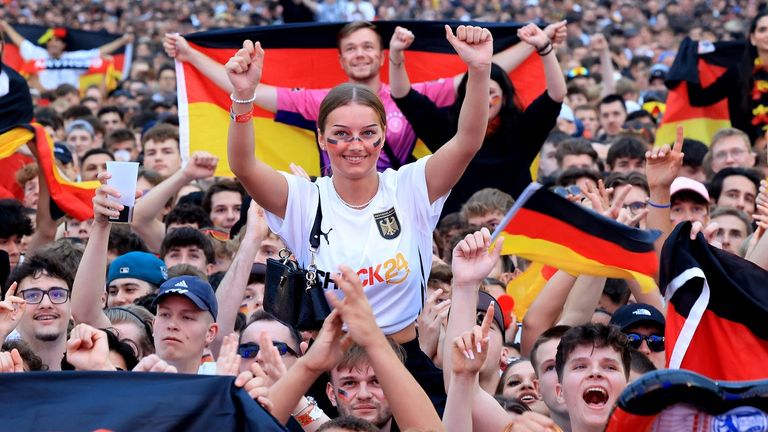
x=352, y=206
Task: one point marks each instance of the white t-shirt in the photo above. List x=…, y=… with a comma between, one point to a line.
x=382, y=242
x=66, y=69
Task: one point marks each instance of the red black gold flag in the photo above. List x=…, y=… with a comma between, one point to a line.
x=16, y=130
x=108, y=69
x=683, y=401
x=305, y=55
x=717, y=309
x=546, y=228
x=707, y=91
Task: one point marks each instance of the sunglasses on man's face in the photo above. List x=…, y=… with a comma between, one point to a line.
x=655, y=342
x=251, y=349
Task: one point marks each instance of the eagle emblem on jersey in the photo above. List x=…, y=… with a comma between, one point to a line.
x=388, y=223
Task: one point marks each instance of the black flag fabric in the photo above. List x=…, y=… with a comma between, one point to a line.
x=128, y=402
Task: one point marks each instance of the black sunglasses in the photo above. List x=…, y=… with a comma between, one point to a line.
x=655, y=342
x=251, y=349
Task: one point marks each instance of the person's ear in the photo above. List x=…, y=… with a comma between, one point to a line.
x=330, y=393
x=321, y=140
x=209, y=268
x=559, y=393
x=213, y=330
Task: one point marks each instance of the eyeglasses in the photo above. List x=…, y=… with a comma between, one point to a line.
x=251, y=349
x=216, y=233
x=564, y=191
x=57, y=295
x=655, y=342
x=734, y=153
x=635, y=207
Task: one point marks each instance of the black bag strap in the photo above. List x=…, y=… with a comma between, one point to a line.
x=314, y=235
x=394, y=162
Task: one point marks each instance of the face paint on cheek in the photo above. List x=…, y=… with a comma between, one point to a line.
x=331, y=141
x=343, y=395
x=377, y=143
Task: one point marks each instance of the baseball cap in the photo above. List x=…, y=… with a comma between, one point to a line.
x=79, y=124
x=684, y=183
x=634, y=314
x=658, y=71
x=62, y=153
x=138, y=265
x=195, y=289
x=483, y=301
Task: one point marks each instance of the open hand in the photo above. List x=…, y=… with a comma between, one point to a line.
x=432, y=318
x=473, y=44
x=244, y=69
x=228, y=361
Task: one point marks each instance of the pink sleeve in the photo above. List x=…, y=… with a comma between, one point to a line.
x=440, y=91
x=303, y=101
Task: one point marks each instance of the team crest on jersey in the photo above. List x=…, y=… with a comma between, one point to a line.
x=388, y=223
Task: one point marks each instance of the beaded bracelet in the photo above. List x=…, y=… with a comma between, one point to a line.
x=242, y=101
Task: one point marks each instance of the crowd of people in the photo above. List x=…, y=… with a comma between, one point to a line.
x=420, y=336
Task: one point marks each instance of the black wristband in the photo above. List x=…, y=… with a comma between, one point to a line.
x=544, y=48
x=546, y=51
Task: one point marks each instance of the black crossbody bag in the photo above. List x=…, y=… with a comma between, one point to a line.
x=293, y=294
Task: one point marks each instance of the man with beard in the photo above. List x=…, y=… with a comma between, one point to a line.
x=355, y=391
x=44, y=285
x=592, y=364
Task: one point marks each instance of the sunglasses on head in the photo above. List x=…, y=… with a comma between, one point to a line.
x=564, y=191
x=580, y=71
x=251, y=349
x=655, y=342
x=216, y=233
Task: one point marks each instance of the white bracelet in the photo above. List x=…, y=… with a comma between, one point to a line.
x=242, y=101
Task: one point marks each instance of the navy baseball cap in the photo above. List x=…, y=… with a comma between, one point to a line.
x=62, y=153
x=195, y=289
x=483, y=301
x=635, y=314
x=138, y=265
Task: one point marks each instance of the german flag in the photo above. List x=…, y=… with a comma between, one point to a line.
x=305, y=55
x=107, y=70
x=526, y=287
x=546, y=228
x=16, y=130
x=683, y=401
x=707, y=91
x=717, y=309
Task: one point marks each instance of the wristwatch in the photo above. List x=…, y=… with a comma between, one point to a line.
x=309, y=416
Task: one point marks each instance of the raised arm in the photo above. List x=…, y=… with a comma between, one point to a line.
x=116, y=44
x=600, y=45
x=90, y=278
x=145, y=223
x=265, y=185
x=410, y=405
x=545, y=47
x=545, y=309
x=582, y=301
x=399, y=82
x=475, y=47
x=662, y=166
x=15, y=37
x=45, y=227
x=178, y=48
x=232, y=286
